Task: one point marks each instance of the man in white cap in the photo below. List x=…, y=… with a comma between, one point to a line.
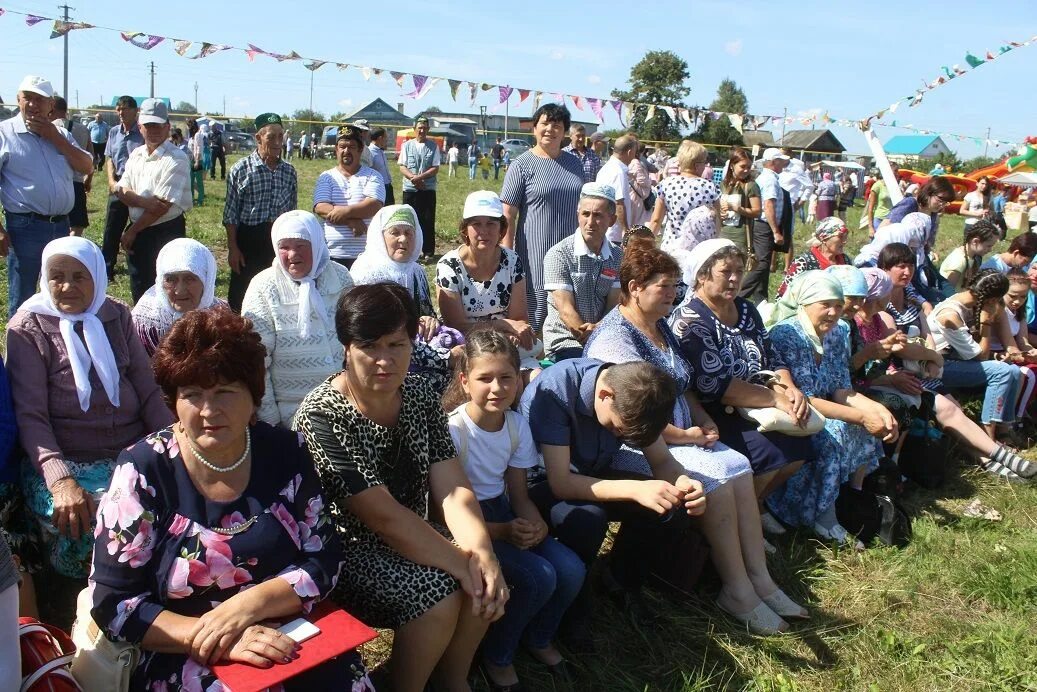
x=581, y=275
x=365, y=133
x=766, y=232
x=156, y=187
x=37, y=161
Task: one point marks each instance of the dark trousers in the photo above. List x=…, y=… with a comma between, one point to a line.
x=114, y=224
x=141, y=264
x=258, y=251
x=390, y=197
x=99, y=148
x=496, y=168
x=755, y=286
x=424, y=203
x=218, y=154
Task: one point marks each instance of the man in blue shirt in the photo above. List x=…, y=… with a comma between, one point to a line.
x=37, y=160
x=122, y=140
x=419, y=165
x=98, y=139
x=580, y=411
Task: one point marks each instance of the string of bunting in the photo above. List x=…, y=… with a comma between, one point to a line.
x=421, y=85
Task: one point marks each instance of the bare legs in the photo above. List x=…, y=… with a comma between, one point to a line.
x=952, y=418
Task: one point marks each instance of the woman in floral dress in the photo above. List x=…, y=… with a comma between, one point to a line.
x=214, y=525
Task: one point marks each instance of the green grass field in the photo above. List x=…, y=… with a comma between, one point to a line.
x=955, y=610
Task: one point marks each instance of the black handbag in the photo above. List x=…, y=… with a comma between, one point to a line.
x=923, y=456
x=874, y=512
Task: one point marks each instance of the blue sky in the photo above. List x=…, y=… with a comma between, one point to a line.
x=850, y=59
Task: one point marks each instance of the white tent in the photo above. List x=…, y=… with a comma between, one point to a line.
x=843, y=164
x=1020, y=179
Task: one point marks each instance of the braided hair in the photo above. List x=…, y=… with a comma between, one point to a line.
x=989, y=283
x=982, y=231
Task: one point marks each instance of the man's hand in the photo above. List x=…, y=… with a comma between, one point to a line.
x=43, y=127
x=129, y=236
x=235, y=259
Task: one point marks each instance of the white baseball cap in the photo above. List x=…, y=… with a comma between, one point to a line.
x=482, y=203
x=773, y=153
x=154, y=112
x=37, y=85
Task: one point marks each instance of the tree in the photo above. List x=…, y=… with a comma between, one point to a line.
x=338, y=117
x=307, y=114
x=730, y=99
x=184, y=107
x=433, y=110
x=980, y=162
x=658, y=78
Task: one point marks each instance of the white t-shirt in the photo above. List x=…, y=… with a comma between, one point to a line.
x=339, y=190
x=489, y=453
x=614, y=173
x=974, y=201
x=451, y=155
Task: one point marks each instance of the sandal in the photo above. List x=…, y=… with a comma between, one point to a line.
x=784, y=606
x=760, y=620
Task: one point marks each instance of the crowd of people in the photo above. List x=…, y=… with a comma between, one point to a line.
x=446, y=464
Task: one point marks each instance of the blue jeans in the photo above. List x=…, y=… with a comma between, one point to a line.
x=1001, y=382
x=543, y=580
x=496, y=168
x=28, y=237
x=472, y=161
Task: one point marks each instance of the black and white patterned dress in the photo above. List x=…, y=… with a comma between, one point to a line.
x=681, y=194
x=352, y=454
x=482, y=300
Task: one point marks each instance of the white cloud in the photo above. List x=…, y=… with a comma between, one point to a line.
x=345, y=103
x=557, y=55
x=733, y=47
x=594, y=79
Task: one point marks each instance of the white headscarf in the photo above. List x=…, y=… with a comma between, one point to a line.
x=93, y=348
x=374, y=264
x=911, y=231
x=304, y=226
x=185, y=255
x=691, y=262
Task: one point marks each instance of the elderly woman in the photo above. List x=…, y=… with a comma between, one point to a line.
x=636, y=330
x=685, y=195
x=912, y=231
x=383, y=451
x=827, y=191
x=482, y=283
x=186, y=272
x=83, y=390
x=292, y=307
x=723, y=341
x=826, y=250
x=811, y=344
x=215, y=525
x=541, y=192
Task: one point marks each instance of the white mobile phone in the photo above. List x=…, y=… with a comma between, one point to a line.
x=299, y=629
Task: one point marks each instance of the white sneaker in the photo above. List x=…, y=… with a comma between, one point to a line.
x=771, y=525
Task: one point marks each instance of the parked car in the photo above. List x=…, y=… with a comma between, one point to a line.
x=516, y=146
x=239, y=141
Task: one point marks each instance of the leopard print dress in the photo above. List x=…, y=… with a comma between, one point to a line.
x=352, y=454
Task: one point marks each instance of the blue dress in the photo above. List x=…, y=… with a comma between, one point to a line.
x=841, y=447
x=616, y=340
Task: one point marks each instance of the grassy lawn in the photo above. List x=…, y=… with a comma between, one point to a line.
x=955, y=610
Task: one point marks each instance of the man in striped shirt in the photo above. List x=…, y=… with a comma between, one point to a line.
x=260, y=187
x=346, y=197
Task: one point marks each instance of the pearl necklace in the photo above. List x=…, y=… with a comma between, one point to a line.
x=221, y=469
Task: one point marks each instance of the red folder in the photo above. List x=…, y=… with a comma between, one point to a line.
x=339, y=633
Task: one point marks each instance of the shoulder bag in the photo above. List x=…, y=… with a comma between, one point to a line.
x=100, y=665
x=773, y=419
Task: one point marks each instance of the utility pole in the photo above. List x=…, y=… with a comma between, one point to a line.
x=224, y=105
x=783, y=119
x=151, y=66
x=77, y=98
x=311, y=90
x=64, y=92
x=986, y=143
x=197, y=109
x=507, y=113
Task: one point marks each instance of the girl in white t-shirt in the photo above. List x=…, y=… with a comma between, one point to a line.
x=496, y=448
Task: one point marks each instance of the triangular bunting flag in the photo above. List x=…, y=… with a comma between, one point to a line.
x=342, y=65
x=472, y=87
x=210, y=49
x=315, y=65
x=422, y=85
x=291, y=56
x=735, y=120
x=61, y=27
x=618, y=107
x=651, y=113
x=595, y=105
x=398, y=77
x=366, y=71
x=537, y=95
x=454, y=84
x=523, y=94
x=504, y=93
x=181, y=47
x=578, y=102
x=33, y=20
x=972, y=60
x=145, y=41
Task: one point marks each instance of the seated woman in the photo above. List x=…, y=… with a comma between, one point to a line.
x=931, y=198
x=1012, y=343
x=482, y=283
x=812, y=346
x=906, y=306
x=961, y=264
x=186, y=272
x=724, y=344
x=1019, y=255
x=215, y=525
x=826, y=249
x=292, y=307
x=963, y=332
x=83, y=391
x=382, y=449
x=636, y=331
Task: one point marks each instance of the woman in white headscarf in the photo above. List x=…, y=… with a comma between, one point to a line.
x=186, y=280
x=292, y=307
x=913, y=231
x=83, y=391
x=811, y=345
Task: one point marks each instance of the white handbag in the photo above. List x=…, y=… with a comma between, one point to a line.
x=100, y=665
x=773, y=419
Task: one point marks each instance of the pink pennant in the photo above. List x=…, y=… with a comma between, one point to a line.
x=618, y=107
x=504, y=93
x=595, y=105
x=398, y=77
x=33, y=20
x=578, y=102
x=523, y=94
x=422, y=85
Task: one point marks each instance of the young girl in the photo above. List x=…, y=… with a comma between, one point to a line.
x=962, y=263
x=496, y=448
x=1012, y=343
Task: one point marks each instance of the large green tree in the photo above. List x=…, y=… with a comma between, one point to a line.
x=730, y=99
x=659, y=78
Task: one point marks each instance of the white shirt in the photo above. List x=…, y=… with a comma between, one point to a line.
x=614, y=173
x=165, y=174
x=332, y=186
x=452, y=154
x=489, y=454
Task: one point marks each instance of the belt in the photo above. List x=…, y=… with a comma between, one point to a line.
x=56, y=218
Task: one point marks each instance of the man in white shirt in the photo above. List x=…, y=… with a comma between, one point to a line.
x=156, y=186
x=452, y=154
x=615, y=174
x=347, y=197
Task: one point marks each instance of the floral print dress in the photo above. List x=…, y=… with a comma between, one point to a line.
x=157, y=548
x=841, y=447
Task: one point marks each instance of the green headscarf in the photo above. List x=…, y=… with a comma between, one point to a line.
x=806, y=289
